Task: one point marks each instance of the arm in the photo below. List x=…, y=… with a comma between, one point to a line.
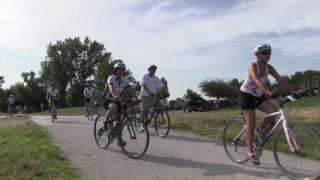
x=48, y=95
x=112, y=91
x=146, y=88
x=143, y=84
x=84, y=92
x=254, y=74
x=279, y=79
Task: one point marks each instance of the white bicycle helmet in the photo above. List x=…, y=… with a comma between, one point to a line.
x=262, y=48
x=119, y=65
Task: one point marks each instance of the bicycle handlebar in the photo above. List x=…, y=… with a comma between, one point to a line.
x=286, y=98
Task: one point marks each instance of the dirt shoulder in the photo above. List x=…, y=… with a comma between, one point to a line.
x=14, y=120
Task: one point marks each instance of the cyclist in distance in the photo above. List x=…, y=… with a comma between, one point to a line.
x=53, y=96
x=89, y=93
x=116, y=86
x=11, y=101
x=254, y=93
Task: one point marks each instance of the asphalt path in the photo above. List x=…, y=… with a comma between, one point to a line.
x=179, y=156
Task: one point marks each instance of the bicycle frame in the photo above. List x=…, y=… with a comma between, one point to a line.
x=294, y=147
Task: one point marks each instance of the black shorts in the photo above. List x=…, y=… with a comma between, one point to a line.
x=88, y=100
x=249, y=102
x=53, y=101
x=108, y=101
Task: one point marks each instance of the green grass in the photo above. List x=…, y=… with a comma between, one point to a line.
x=26, y=152
x=74, y=111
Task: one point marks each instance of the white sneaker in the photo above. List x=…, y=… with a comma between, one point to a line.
x=142, y=127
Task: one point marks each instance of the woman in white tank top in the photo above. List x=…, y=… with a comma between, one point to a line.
x=254, y=93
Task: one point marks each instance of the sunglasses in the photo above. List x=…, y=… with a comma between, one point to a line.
x=265, y=52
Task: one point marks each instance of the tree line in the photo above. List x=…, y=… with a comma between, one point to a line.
x=70, y=64
x=219, y=88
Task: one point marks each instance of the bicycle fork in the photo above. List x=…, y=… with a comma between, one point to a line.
x=294, y=147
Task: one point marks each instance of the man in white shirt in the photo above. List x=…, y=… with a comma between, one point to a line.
x=149, y=86
x=11, y=101
x=89, y=93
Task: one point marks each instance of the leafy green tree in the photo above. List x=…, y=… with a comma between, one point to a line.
x=1, y=81
x=190, y=94
x=219, y=88
x=71, y=63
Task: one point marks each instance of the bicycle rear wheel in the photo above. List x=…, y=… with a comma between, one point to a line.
x=298, y=165
x=101, y=133
x=234, y=141
x=162, y=124
x=136, y=142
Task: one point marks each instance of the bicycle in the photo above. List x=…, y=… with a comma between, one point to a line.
x=121, y=127
x=287, y=145
x=53, y=108
x=91, y=109
x=11, y=109
x=160, y=117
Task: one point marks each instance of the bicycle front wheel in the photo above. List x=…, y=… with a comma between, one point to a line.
x=234, y=140
x=304, y=162
x=53, y=113
x=91, y=113
x=135, y=143
x=101, y=133
x=162, y=124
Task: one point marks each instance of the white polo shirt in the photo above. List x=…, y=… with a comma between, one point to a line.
x=88, y=92
x=152, y=82
x=118, y=84
x=52, y=92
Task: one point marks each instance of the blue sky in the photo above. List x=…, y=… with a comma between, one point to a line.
x=189, y=40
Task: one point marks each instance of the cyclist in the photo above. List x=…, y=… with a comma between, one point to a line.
x=116, y=86
x=254, y=93
x=53, y=96
x=149, y=85
x=11, y=101
x=164, y=93
x=89, y=93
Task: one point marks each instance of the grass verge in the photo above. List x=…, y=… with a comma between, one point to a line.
x=26, y=152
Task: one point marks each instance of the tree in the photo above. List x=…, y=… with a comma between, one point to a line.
x=190, y=94
x=219, y=88
x=71, y=63
x=1, y=81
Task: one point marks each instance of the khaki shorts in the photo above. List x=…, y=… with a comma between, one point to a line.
x=147, y=102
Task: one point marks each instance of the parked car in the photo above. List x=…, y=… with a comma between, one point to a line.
x=197, y=103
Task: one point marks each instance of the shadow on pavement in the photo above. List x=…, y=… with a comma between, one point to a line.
x=212, y=169
x=192, y=139
x=70, y=122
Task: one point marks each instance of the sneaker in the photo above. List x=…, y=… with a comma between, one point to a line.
x=253, y=159
x=142, y=127
x=122, y=143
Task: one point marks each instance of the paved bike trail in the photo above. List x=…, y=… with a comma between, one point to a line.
x=179, y=156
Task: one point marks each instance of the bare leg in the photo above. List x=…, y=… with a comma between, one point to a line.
x=250, y=117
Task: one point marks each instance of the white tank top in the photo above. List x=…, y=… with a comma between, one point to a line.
x=250, y=86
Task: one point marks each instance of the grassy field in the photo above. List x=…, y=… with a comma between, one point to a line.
x=211, y=124
x=74, y=111
x=26, y=152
